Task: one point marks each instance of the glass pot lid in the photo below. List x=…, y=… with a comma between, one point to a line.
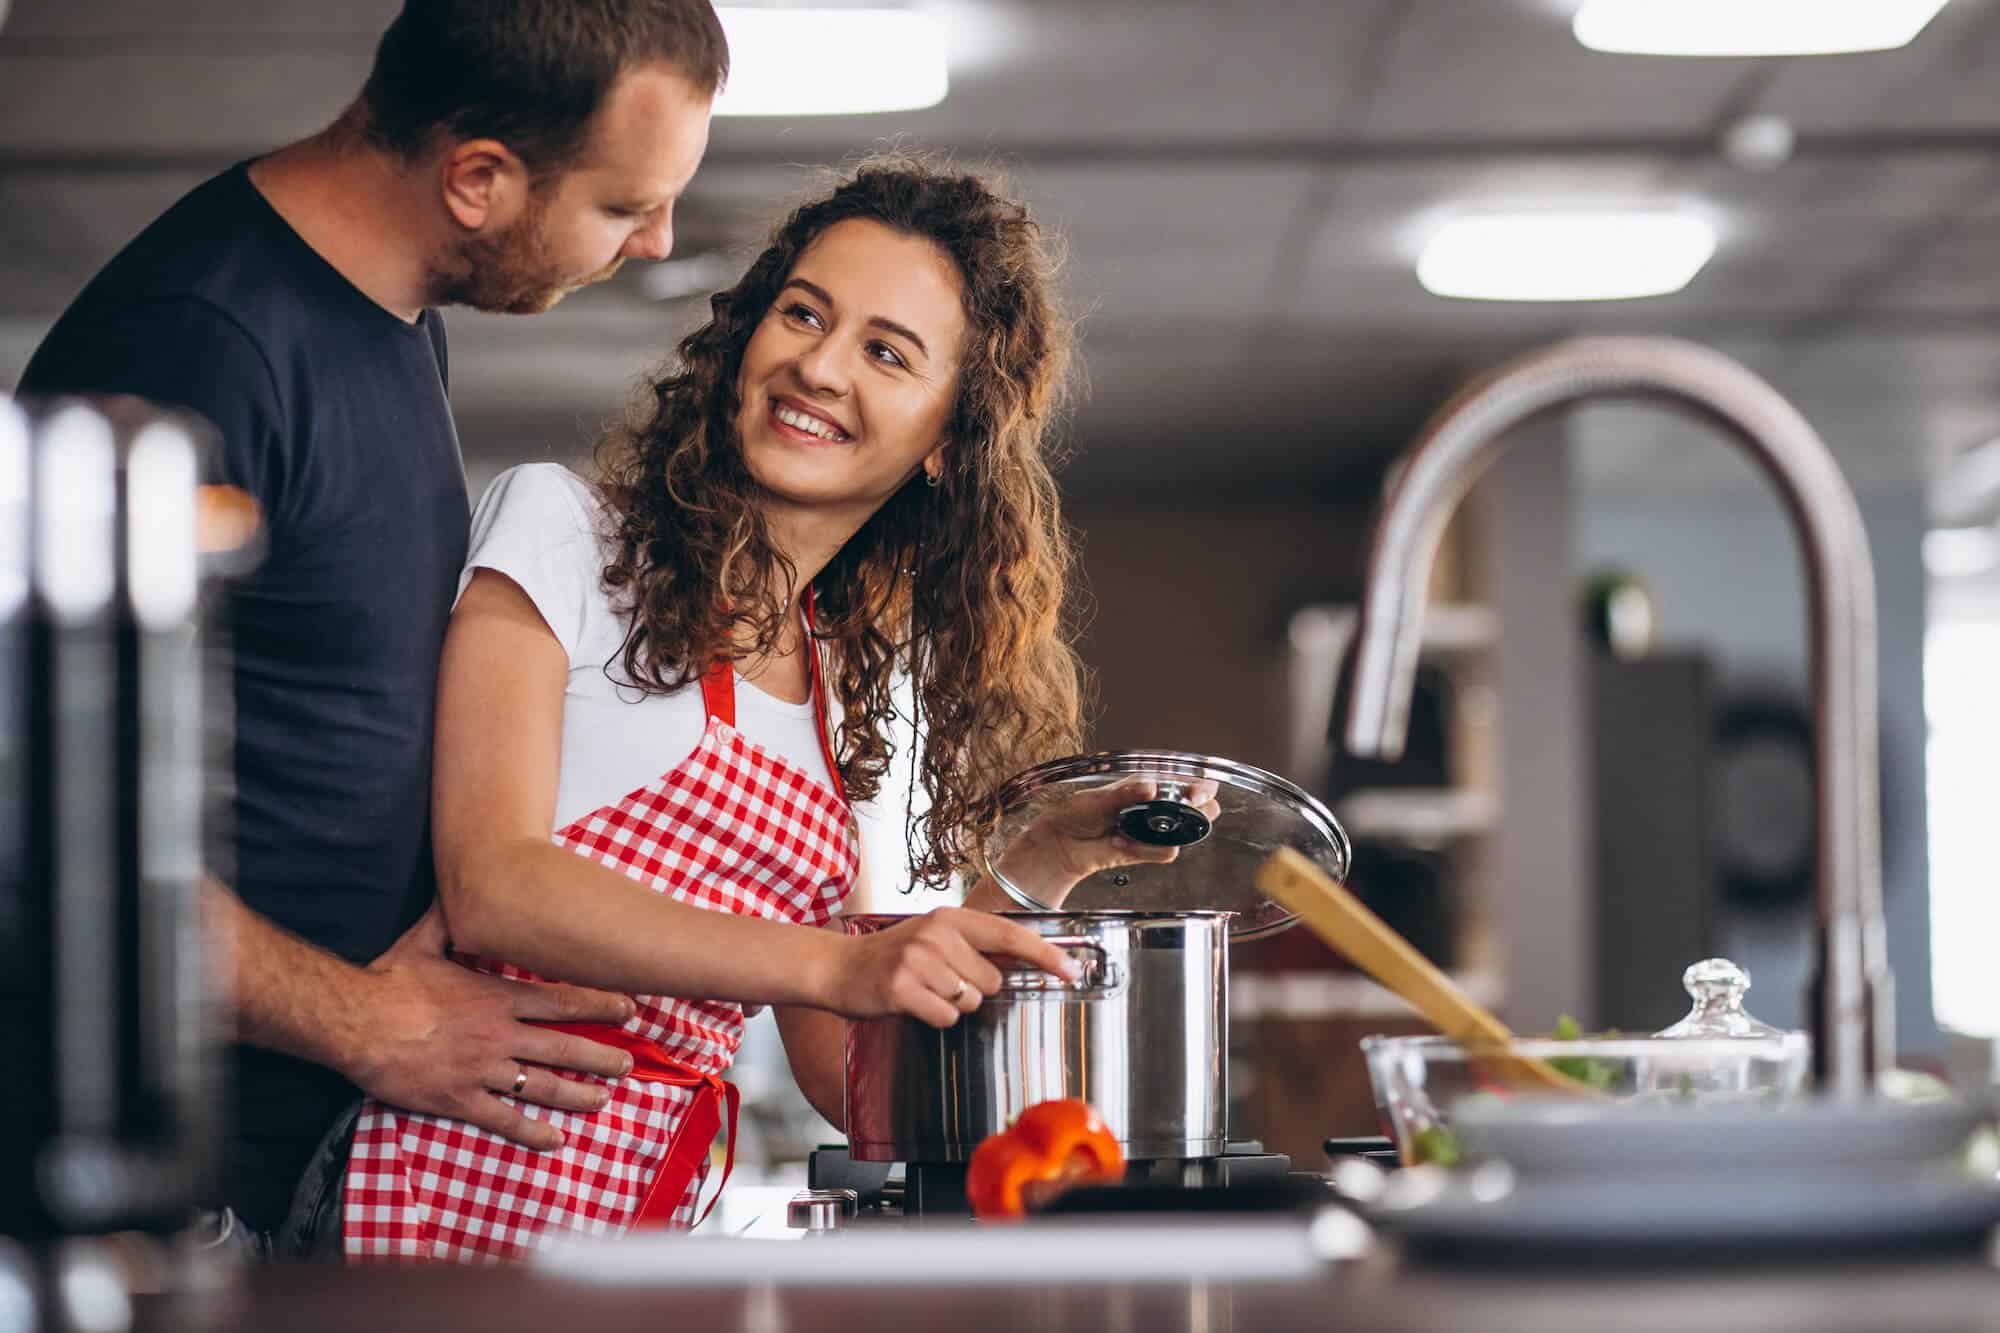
x=1155, y=831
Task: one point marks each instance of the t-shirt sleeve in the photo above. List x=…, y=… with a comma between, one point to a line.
x=534, y=526
x=179, y=352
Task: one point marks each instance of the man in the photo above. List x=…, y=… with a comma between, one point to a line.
x=502, y=154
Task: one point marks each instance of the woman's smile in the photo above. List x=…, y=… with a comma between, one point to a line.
x=795, y=421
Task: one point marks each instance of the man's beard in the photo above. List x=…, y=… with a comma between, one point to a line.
x=508, y=274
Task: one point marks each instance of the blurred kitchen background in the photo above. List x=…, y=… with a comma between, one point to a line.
x=1608, y=774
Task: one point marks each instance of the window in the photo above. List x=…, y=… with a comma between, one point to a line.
x=1962, y=759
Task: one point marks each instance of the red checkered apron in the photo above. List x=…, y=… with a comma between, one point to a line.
x=734, y=829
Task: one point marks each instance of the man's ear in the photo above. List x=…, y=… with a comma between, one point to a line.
x=484, y=184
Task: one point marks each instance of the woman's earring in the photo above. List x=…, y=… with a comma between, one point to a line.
x=934, y=479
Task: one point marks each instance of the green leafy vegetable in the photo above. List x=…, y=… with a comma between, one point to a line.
x=1436, y=1146
x=1591, y=1072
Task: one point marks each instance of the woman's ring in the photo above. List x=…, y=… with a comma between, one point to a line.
x=520, y=1081
x=960, y=991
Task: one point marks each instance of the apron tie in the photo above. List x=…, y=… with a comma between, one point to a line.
x=697, y=1129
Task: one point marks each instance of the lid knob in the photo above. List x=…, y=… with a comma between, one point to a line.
x=1716, y=986
x=1165, y=821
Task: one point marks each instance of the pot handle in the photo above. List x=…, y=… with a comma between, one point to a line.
x=1100, y=974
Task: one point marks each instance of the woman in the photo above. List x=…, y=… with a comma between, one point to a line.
x=846, y=473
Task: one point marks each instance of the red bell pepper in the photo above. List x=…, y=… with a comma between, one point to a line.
x=1051, y=1146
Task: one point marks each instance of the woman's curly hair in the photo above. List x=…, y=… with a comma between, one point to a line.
x=967, y=584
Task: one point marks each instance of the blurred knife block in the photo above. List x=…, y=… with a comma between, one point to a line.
x=109, y=1112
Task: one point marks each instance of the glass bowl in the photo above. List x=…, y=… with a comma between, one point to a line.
x=1421, y=1083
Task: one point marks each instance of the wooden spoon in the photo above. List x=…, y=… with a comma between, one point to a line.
x=1339, y=918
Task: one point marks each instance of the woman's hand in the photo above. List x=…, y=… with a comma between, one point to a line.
x=1072, y=840
x=933, y=967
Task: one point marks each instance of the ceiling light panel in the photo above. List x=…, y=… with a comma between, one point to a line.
x=1568, y=256
x=1750, y=27
x=831, y=62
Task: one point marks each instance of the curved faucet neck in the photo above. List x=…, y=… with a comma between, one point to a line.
x=1852, y=1021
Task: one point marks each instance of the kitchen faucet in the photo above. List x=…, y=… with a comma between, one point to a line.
x=1851, y=1005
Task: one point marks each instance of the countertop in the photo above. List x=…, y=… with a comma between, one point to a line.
x=1375, y=1292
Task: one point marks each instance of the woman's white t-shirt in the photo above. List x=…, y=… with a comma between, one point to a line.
x=544, y=527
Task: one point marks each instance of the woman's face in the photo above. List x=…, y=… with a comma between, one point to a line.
x=850, y=379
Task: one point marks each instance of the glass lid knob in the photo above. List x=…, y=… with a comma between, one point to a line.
x=1716, y=986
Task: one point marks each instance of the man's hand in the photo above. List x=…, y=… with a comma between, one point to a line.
x=439, y=1038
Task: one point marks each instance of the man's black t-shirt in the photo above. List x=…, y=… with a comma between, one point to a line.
x=332, y=413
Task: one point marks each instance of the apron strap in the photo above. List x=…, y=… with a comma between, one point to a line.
x=713, y=1098
x=718, y=692
x=718, y=697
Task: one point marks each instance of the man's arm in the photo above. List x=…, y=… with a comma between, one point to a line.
x=413, y=1028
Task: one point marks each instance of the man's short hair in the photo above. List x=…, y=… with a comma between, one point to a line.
x=529, y=73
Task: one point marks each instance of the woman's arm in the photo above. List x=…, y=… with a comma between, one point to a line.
x=509, y=893
x=816, y=1049
x=1068, y=843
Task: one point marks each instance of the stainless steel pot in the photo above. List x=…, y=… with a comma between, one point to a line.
x=1143, y=1036
x=1143, y=864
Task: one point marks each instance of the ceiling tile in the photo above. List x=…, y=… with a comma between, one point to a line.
x=1944, y=80
x=1243, y=190
x=1509, y=68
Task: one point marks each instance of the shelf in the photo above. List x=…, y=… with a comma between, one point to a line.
x=1297, y=995
x=1425, y=816
x=1448, y=628
x=1316, y=642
